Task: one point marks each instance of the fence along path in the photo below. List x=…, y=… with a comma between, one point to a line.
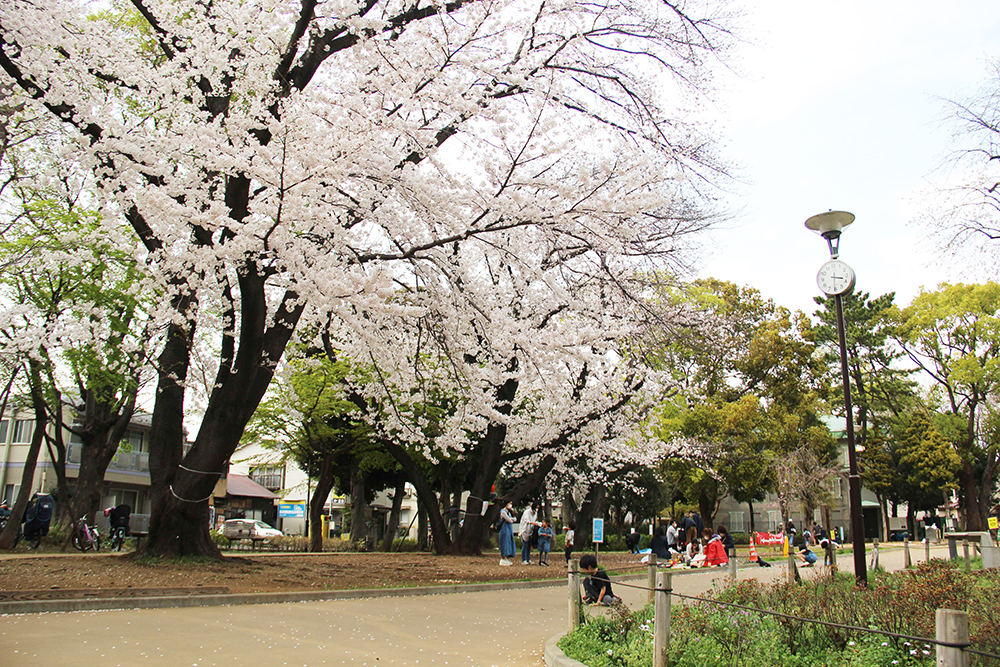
x=952, y=626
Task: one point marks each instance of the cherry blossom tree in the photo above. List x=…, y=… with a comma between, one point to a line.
x=282, y=161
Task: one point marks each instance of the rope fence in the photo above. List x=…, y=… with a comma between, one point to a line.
x=952, y=626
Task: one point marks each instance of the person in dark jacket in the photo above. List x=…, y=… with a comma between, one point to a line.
x=727, y=540
x=632, y=541
x=659, y=545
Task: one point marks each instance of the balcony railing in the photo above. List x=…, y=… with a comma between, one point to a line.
x=137, y=461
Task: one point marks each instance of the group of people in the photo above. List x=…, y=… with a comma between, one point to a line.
x=534, y=532
x=691, y=543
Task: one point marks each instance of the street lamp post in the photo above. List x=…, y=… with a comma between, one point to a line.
x=836, y=279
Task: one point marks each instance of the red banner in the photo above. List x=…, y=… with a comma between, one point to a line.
x=770, y=539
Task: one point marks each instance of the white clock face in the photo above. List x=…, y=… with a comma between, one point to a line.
x=835, y=277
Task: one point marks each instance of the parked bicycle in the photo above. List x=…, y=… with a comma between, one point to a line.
x=35, y=522
x=85, y=536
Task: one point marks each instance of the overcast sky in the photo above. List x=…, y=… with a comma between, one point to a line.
x=840, y=106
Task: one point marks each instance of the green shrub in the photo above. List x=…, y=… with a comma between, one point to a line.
x=707, y=634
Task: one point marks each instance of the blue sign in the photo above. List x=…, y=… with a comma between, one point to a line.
x=290, y=511
x=599, y=530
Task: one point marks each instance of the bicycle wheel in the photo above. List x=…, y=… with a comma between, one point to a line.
x=97, y=542
x=78, y=543
x=116, y=541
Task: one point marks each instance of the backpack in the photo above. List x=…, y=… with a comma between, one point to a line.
x=498, y=524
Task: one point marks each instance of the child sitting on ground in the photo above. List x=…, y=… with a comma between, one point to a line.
x=596, y=587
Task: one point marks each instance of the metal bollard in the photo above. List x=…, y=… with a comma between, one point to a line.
x=952, y=627
x=874, y=565
x=965, y=554
x=732, y=563
x=927, y=551
x=906, y=553
x=661, y=620
x=575, y=604
x=651, y=578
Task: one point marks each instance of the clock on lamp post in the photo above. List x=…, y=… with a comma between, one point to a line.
x=835, y=279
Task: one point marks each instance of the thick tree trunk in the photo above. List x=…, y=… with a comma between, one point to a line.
x=359, y=526
x=973, y=517
x=422, y=527
x=316, y=504
x=397, y=508
x=591, y=507
x=180, y=480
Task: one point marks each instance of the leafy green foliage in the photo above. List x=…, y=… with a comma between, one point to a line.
x=706, y=634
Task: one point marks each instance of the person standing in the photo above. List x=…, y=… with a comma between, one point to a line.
x=529, y=522
x=544, y=542
x=698, y=523
x=570, y=537
x=507, y=547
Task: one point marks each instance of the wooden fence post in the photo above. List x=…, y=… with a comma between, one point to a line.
x=927, y=551
x=965, y=555
x=874, y=565
x=953, y=627
x=661, y=620
x=732, y=564
x=906, y=553
x=651, y=579
x=574, y=593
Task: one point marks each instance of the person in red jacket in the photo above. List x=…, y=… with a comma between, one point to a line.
x=715, y=552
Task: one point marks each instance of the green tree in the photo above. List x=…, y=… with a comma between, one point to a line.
x=748, y=389
x=881, y=389
x=953, y=335
x=927, y=466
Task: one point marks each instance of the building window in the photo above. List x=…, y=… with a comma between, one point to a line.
x=271, y=477
x=9, y=493
x=773, y=521
x=736, y=522
x=3, y=431
x=132, y=441
x=836, y=487
x=22, y=431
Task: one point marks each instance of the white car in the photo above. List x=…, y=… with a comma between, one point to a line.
x=248, y=529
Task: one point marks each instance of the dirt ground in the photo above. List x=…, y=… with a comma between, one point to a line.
x=51, y=576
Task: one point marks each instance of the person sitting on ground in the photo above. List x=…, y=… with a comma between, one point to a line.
x=597, y=586
x=658, y=545
x=727, y=540
x=806, y=555
x=693, y=554
x=715, y=553
x=673, y=537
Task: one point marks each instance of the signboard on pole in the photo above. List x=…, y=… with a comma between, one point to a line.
x=599, y=530
x=291, y=510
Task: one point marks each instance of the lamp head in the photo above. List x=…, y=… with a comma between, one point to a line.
x=829, y=225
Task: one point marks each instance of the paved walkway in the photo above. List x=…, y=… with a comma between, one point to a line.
x=503, y=628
